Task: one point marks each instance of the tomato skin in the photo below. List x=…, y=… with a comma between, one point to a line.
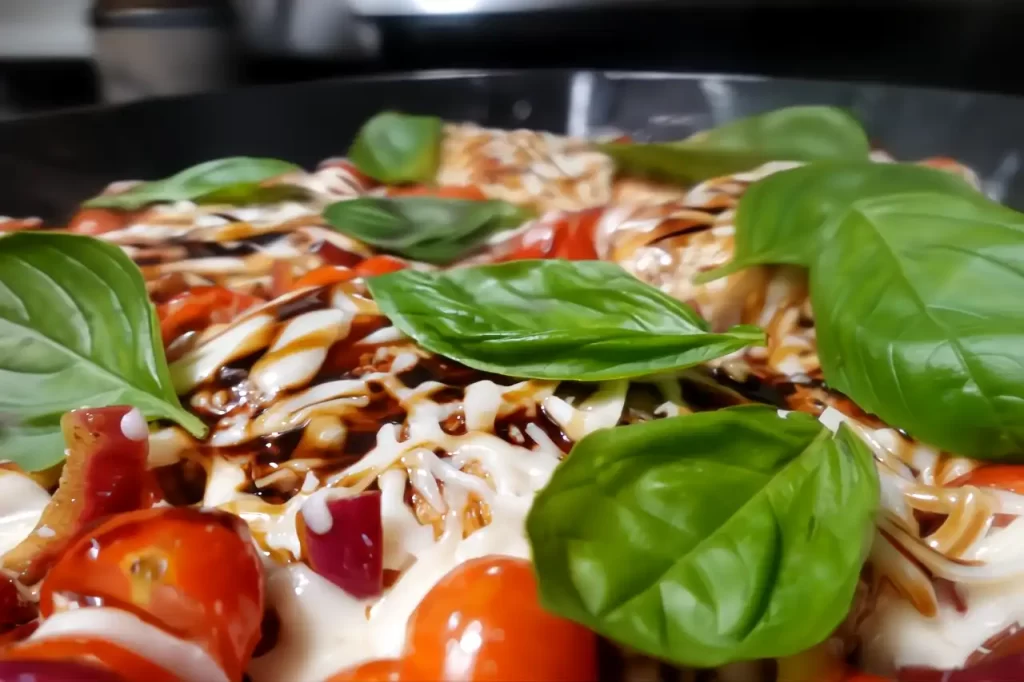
x=199, y=307
x=466, y=192
x=381, y=670
x=95, y=221
x=19, y=225
x=1004, y=476
x=571, y=237
x=193, y=573
x=130, y=665
x=379, y=265
x=323, y=276
x=333, y=274
x=483, y=623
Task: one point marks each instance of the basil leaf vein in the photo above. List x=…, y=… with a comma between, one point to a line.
x=552, y=319
x=77, y=329
x=710, y=538
x=235, y=180
x=429, y=229
x=779, y=218
x=396, y=148
x=803, y=133
x=917, y=299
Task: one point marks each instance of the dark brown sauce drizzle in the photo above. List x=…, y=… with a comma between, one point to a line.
x=270, y=632
x=182, y=483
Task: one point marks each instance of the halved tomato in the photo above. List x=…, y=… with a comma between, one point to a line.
x=483, y=623
x=194, y=573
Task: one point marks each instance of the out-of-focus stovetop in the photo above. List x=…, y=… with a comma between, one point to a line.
x=951, y=43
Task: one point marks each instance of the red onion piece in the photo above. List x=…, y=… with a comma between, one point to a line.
x=105, y=473
x=14, y=610
x=55, y=671
x=1002, y=669
x=349, y=549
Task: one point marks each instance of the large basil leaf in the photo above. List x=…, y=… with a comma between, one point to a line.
x=398, y=148
x=236, y=180
x=917, y=300
x=429, y=229
x=806, y=133
x=778, y=219
x=76, y=330
x=552, y=319
x=721, y=536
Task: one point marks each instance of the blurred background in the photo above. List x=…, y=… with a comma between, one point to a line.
x=64, y=53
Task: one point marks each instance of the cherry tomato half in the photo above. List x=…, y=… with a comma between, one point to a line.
x=483, y=623
x=128, y=664
x=200, y=307
x=571, y=237
x=1004, y=476
x=193, y=573
x=99, y=220
x=466, y=192
x=332, y=274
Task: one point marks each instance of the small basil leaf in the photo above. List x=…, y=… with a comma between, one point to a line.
x=710, y=538
x=398, y=148
x=236, y=180
x=552, y=319
x=778, y=219
x=77, y=329
x=806, y=133
x=428, y=229
x=917, y=301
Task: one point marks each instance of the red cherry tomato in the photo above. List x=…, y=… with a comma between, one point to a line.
x=1005, y=476
x=865, y=677
x=323, y=276
x=483, y=623
x=19, y=224
x=379, y=265
x=333, y=274
x=128, y=664
x=571, y=237
x=194, y=573
x=382, y=670
x=468, y=193
x=200, y=307
x=99, y=220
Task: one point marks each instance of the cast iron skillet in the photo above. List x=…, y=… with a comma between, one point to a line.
x=48, y=164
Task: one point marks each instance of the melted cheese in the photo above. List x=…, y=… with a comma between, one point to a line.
x=186, y=660
x=897, y=635
x=21, y=504
x=322, y=629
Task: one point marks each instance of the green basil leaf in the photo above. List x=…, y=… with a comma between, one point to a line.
x=917, y=302
x=778, y=219
x=236, y=180
x=428, y=229
x=398, y=148
x=806, y=133
x=716, y=537
x=552, y=319
x=77, y=329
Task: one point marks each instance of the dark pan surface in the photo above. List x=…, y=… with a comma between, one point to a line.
x=49, y=164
